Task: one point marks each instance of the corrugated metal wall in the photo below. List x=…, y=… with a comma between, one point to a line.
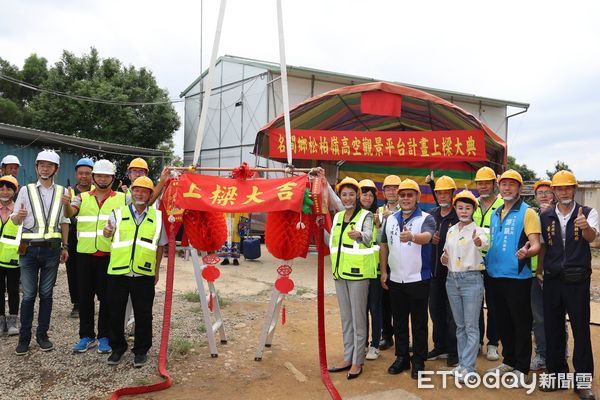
x=27, y=157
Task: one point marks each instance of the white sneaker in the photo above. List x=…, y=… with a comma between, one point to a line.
x=519, y=378
x=537, y=363
x=457, y=371
x=502, y=369
x=492, y=353
x=372, y=354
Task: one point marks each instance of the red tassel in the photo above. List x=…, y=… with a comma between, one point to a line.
x=210, y=303
x=283, y=315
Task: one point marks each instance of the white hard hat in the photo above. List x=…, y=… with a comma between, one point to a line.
x=103, y=167
x=10, y=159
x=48, y=155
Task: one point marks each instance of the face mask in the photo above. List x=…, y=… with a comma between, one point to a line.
x=4, y=199
x=484, y=196
x=102, y=186
x=444, y=205
x=508, y=198
x=407, y=212
x=566, y=202
x=140, y=203
x=45, y=177
x=348, y=206
x=464, y=219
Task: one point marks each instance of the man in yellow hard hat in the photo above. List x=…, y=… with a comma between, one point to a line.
x=515, y=238
x=138, y=237
x=139, y=167
x=487, y=202
x=406, y=248
x=444, y=328
x=565, y=269
x=390, y=206
x=545, y=199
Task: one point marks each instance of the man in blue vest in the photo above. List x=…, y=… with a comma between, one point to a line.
x=405, y=246
x=83, y=176
x=515, y=238
x=44, y=243
x=565, y=267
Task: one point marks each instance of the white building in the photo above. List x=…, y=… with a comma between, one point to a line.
x=247, y=94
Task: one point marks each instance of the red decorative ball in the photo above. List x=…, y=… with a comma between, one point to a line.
x=206, y=231
x=211, y=273
x=284, y=284
x=285, y=237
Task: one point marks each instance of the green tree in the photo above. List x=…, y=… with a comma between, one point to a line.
x=526, y=173
x=558, y=166
x=10, y=112
x=109, y=80
x=9, y=90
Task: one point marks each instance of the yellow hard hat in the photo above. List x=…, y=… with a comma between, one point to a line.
x=465, y=195
x=563, y=178
x=511, y=174
x=541, y=183
x=367, y=183
x=348, y=181
x=391, y=180
x=445, y=183
x=12, y=180
x=485, y=174
x=409, y=184
x=138, y=163
x=143, y=182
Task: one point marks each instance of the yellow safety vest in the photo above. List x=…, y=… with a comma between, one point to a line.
x=45, y=228
x=91, y=221
x=134, y=246
x=10, y=237
x=484, y=220
x=350, y=260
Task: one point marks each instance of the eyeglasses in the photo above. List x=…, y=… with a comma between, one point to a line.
x=544, y=193
x=406, y=195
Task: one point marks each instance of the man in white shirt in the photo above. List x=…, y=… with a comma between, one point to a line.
x=44, y=243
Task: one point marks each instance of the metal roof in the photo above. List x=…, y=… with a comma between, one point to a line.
x=336, y=77
x=41, y=137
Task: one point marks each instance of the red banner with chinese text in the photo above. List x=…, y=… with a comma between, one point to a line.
x=466, y=145
x=213, y=193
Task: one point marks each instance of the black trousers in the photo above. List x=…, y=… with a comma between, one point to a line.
x=514, y=320
x=410, y=299
x=574, y=299
x=92, y=278
x=71, y=265
x=387, y=330
x=491, y=332
x=9, y=282
x=141, y=290
x=444, y=327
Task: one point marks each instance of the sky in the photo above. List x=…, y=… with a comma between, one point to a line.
x=544, y=53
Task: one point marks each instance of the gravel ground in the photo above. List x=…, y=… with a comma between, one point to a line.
x=60, y=374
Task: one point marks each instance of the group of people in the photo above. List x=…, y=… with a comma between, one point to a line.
x=531, y=265
x=112, y=242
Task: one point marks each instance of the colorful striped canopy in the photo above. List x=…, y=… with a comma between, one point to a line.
x=340, y=110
